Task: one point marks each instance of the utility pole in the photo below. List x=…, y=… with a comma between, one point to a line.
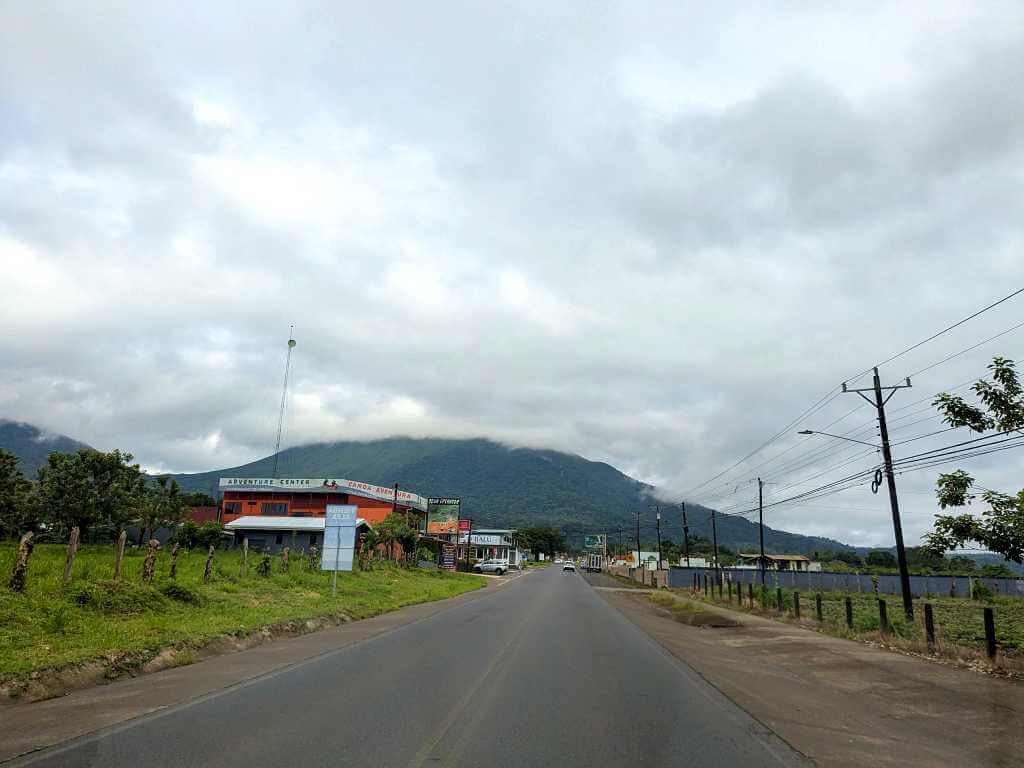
x=897, y=526
x=658, y=510
x=686, y=535
x=618, y=548
x=638, y=538
x=760, y=523
x=714, y=540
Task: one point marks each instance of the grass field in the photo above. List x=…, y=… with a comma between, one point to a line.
x=959, y=623
x=52, y=625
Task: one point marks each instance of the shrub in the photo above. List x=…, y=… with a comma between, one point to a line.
x=982, y=592
x=182, y=594
x=186, y=535
x=117, y=598
x=263, y=566
x=210, y=534
x=57, y=620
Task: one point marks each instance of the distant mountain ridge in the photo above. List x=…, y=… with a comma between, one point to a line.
x=499, y=485
x=32, y=445
x=505, y=486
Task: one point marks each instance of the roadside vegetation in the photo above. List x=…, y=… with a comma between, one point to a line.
x=52, y=624
x=959, y=622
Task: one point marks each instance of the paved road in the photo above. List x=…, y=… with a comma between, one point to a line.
x=541, y=673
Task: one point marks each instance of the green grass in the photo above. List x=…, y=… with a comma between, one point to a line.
x=52, y=625
x=958, y=622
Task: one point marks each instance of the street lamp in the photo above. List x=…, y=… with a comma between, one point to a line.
x=837, y=437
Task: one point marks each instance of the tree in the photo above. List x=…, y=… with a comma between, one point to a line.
x=161, y=505
x=881, y=558
x=89, y=488
x=198, y=499
x=1000, y=527
x=16, y=508
x=395, y=529
x=544, y=539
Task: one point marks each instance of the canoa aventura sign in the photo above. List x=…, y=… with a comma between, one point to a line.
x=323, y=485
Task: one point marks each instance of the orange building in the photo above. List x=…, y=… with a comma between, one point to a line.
x=309, y=497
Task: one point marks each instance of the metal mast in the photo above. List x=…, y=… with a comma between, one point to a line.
x=284, y=396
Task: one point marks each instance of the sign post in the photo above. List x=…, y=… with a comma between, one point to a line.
x=467, y=526
x=339, y=536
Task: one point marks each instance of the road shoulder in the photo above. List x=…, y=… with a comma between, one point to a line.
x=840, y=702
x=33, y=726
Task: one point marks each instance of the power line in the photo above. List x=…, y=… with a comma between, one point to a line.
x=940, y=333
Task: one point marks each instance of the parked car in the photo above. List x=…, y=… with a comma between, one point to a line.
x=491, y=566
x=569, y=566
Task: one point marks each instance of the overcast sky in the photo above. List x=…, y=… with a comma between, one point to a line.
x=651, y=234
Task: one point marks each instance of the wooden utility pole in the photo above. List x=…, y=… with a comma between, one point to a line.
x=714, y=542
x=897, y=526
x=686, y=535
x=658, y=511
x=760, y=525
x=638, y=538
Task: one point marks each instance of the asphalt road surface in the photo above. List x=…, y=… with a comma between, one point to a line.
x=542, y=672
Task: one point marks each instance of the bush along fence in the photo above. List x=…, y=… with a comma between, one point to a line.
x=826, y=581
x=939, y=621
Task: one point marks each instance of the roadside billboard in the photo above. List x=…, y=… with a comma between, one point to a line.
x=443, y=514
x=339, y=538
x=596, y=542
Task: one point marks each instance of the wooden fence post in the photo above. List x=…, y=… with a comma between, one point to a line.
x=779, y=604
x=796, y=604
x=849, y=612
x=150, y=562
x=119, y=553
x=17, y=582
x=209, y=566
x=750, y=594
x=817, y=607
x=990, y=633
x=883, y=617
x=284, y=560
x=69, y=561
x=245, y=555
x=174, y=560
x=929, y=625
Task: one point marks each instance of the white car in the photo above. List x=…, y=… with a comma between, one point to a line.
x=498, y=567
x=569, y=567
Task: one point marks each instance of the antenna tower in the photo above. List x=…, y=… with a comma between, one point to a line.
x=284, y=396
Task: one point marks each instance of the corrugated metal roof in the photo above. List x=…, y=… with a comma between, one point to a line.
x=279, y=523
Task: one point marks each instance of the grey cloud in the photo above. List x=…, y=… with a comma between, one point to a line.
x=480, y=227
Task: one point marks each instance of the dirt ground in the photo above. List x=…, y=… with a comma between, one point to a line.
x=840, y=702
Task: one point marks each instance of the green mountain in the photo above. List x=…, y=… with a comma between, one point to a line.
x=502, y=486
x=31, y=445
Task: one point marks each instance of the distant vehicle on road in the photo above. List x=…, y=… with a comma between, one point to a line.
x=569, y=566
x=592, y=563
x=558, y=561
x=491, y=566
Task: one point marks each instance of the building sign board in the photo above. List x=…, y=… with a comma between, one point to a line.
x=448, y=557
x=443, y=514
x=339, y=538
x=485, y=539
x=323, y=485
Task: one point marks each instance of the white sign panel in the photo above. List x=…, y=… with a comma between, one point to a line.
x=339, y=538
x=323, y=485
x=485, y=539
